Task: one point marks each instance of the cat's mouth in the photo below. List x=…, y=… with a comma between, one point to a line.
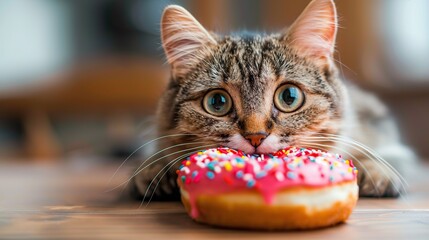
x=268, y=145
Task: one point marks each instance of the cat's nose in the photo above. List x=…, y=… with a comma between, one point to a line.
x=256, y=138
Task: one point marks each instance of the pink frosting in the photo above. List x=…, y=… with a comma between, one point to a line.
x=222, y=170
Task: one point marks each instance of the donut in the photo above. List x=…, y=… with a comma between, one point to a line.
x=294, y=188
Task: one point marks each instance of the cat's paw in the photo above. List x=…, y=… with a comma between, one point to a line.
x=153, y=185
x=375, y=180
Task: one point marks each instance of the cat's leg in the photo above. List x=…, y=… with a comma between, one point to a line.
x=156, y=183
x=375, y=179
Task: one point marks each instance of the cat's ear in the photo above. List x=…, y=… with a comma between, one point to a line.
x=183, y=37
x=313, y=33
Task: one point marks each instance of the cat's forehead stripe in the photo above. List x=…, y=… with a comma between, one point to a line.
x=251, y=69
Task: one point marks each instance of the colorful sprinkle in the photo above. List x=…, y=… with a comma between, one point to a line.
x=228, y=166
x=239, y=174
x=211, y=166
x=186, y=170
x=291, y=175
x=280, y=177
x=260, y=174
x=217, y=169
x=247, y=177
x=210, y=175
x=287, y=167
x=251, y=183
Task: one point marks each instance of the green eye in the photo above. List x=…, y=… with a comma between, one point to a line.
x=217, y=102
x=288, y=98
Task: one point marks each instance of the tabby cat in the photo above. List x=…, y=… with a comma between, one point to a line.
x=260, y=93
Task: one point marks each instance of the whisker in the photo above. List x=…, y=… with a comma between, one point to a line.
x=153, y=162
x=148, y=119
x=370, y=151
x=343, y=65
x=386, y=165
x=366, y=148
x=368, y=154
x=146, y=132
x=142, y=146
x=163, y=150
x=160, y=151
x=159, y=181
x=169, y=165
x=317, y=145
x=170, y=154
x=375, y=154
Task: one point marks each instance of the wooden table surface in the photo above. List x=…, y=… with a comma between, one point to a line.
x=70, y=201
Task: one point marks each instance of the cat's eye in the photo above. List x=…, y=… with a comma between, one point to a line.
x=217, y=102
x=288, y=98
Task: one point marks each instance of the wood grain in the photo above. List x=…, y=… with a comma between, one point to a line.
x=69, y=201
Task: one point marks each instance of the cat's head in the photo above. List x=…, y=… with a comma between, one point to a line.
x=254, y=92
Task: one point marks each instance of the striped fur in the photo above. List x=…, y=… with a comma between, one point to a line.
x=250, y=67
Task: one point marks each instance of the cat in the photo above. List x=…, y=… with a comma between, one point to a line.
x=263, y=92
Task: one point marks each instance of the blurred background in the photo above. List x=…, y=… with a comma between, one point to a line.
x=80, y=79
